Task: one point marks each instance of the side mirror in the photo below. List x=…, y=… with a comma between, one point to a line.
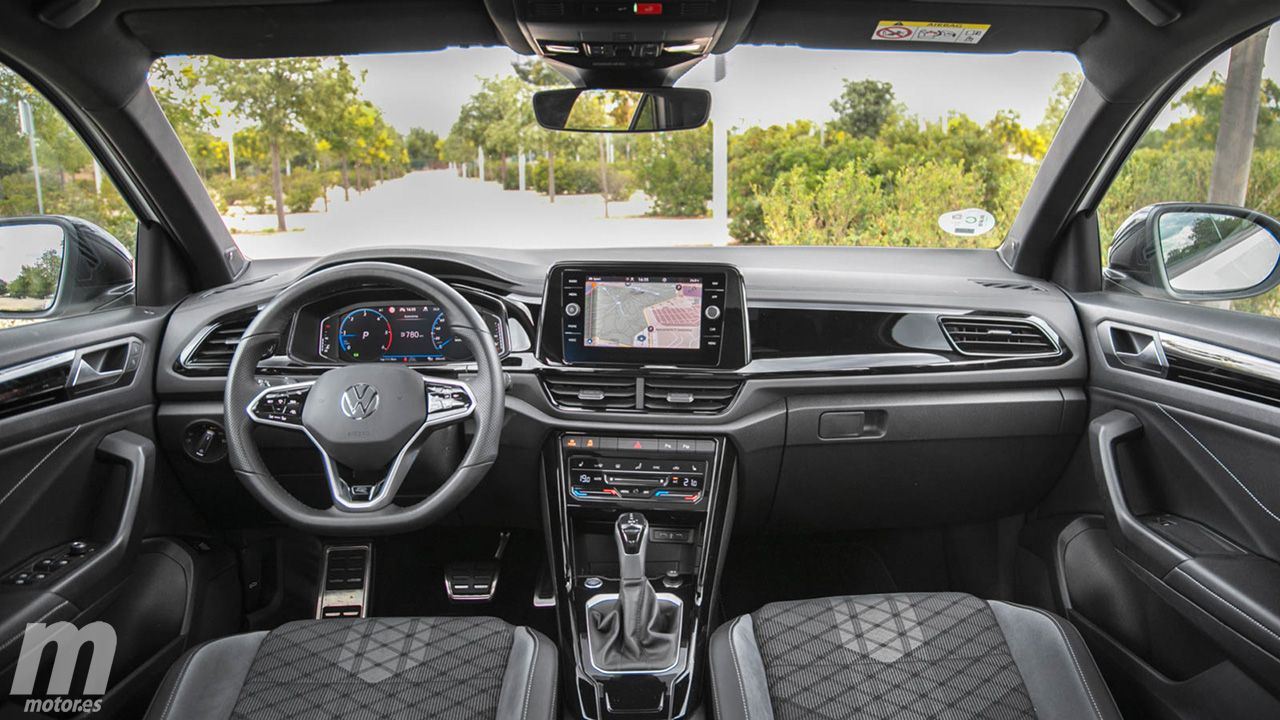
x=622, y=111
x=1196, y=252
x=55, y=266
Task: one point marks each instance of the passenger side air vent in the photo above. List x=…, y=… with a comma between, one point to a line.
x=590, y=392
x=212, y=353
x=697, y=396
x=997, y=337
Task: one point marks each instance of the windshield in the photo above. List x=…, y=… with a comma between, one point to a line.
x=307, y=156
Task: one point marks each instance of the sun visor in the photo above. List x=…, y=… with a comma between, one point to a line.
x=935, y=27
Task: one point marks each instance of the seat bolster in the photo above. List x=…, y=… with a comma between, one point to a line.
x=739, y=688
x=205, y=682
x=1056, y=666
x=530, y=682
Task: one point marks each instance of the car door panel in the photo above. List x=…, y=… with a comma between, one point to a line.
x=79, y=465
x=1185, y=467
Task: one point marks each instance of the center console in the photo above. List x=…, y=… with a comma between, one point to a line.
x=638, y=523
x=637, y=520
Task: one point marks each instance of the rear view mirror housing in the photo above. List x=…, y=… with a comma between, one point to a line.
x=1196, y=252
x=617, y=110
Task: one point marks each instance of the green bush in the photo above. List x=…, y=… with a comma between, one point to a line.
x=674, y=170
x=851, y=206
x=303, y=188
x=573, y=177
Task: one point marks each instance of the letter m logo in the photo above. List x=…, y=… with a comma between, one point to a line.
x=69, y=642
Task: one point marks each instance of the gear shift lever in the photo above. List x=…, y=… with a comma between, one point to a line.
x=632, y=535
x=634, y=632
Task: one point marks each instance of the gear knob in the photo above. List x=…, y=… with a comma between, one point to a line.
x=632, y=533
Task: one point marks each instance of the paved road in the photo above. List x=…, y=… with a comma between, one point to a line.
x=438, y=208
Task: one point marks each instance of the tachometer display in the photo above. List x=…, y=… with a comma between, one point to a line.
x=364, y=333
x=398, y=333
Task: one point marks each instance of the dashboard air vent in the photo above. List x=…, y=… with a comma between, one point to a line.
x=590, y=392
x=997, y=337
x=214, y=351
x=700, y=395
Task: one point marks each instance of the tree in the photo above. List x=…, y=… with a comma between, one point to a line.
x=333, y=115
x=40, y=279
x=1233, y=152
x=537, y=74
x=178, y=88
x=864, y=107
x=421, y=145
x=274, y=95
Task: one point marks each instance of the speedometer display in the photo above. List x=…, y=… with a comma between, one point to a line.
x=410, y=333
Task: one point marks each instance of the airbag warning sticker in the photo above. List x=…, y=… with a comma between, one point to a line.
x=925, y=31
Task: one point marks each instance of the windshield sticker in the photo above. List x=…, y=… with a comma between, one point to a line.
x=926, y=31
x=974, y=221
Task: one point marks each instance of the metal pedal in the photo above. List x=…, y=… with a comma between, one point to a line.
x=471, y=581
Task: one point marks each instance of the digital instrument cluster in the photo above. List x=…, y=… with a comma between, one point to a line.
x=417, y=332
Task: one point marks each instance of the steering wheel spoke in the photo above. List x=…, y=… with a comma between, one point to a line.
x=280, y=406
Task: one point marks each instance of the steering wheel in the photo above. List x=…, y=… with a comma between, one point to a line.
x=368, y=421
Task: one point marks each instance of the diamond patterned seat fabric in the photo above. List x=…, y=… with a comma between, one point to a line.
x=908, y=656
x=458, y=668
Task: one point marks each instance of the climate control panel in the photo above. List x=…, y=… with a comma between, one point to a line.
x=645, y=470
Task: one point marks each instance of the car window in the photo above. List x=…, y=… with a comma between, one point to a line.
x=1216, y=142
x=66, y=235
x=305, y=156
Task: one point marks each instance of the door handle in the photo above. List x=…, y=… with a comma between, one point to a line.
x=1133, y=348
x=102, y=366
x=1130, y=535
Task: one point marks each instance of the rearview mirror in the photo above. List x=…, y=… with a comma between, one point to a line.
x=1199, y=252
x=622, y=111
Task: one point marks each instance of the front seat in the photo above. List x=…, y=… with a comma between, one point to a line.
x=904, y=656
x=437, y=668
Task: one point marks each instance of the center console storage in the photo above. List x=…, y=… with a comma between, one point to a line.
x=637, y=525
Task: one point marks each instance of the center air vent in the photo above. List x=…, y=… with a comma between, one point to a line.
x=212, y=353
x=997, y=337
x=700, y=395
x=590, y=392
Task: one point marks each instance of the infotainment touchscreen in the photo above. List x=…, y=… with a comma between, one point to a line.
x=643, y=313
x=633, y=315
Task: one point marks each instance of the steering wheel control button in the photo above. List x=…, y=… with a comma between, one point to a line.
x=281, y=405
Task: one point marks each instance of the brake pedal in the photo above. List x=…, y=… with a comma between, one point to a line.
x=471, y=581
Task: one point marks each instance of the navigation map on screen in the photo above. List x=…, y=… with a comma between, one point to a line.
x=643, y=313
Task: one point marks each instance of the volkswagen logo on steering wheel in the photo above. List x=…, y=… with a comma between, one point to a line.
x=359, y=401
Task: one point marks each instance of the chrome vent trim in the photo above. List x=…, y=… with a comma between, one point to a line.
x=701, y=395
x=591, y=392
x=985, y=336
x=213, y=347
